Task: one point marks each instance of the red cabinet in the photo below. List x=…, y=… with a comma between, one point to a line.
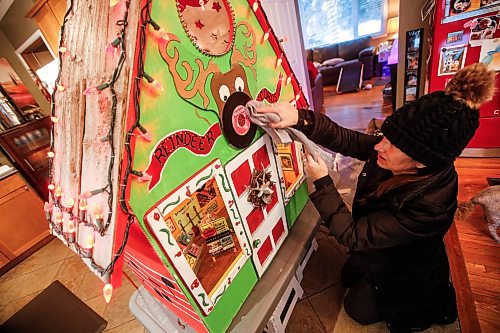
x=487, y=135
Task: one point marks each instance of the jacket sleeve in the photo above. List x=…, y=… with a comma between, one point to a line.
x=377, y=229
x=322, y=130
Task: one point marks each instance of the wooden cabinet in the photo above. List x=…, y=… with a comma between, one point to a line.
x=27, y=146
x=49, y=15
x=23, y=226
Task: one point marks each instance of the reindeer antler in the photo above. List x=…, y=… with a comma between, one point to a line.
x=181, y=84
x=249, y=58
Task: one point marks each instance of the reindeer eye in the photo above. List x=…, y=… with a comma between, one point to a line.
x=239, y=84
x=224, y=93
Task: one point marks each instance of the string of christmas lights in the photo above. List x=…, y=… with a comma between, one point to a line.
x=55, y=206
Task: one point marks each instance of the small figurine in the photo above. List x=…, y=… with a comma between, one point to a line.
x=260, y=188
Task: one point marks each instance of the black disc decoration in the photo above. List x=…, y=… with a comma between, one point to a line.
x=236, y=125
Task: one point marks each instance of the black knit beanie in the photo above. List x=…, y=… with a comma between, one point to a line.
x=435, y=128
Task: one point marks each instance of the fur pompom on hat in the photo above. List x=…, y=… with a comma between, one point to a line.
x=435, y=128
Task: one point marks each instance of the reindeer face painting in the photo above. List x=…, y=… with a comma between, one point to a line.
x=209, y=24
x=231, y=94
x=228, y=91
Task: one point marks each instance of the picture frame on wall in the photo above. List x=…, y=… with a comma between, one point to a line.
x=461, y=9
x=451, y=59
x=413, y=61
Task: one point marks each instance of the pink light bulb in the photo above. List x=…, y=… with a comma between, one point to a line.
x=157, y=85
x=279, y=61
x=147, y=136
x=146, y=177
x=85, y=195
x=107, y=291
x=265, y=37
x=90, y=91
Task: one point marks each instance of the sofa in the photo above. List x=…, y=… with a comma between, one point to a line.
x=330, y=59
x=317, y=93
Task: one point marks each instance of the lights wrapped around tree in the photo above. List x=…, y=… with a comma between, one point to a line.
x=141, y=176
x=89, y=194
x=98, y=218
x=65, y=223
x=265, y=37
x=113, y=46
x=68, y=208
x=87, y=250
x=107, y=292
x=70, y=233
x=47, y=208
x=255, y=6
x=279, y=61
x=57, y=195
x=144, y=133
x=82, y=210
x=58, y=220
x=153, y=81
x=93, y=90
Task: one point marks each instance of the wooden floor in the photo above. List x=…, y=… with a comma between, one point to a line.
x=481, y=254
x=355, y=109
x=474, y=256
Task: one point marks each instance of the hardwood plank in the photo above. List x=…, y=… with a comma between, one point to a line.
x=487, y=249
x=489, y=327
x=487, y=300
x=475, y=258
x=466, y=308
x=488, y=315
x=477, y=163
x=481, y=282
x=477, y=238
x=481, y=270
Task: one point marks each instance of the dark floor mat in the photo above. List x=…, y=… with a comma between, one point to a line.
x=55, y=310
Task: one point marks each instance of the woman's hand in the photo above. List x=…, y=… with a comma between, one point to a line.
x=316, y=170
x=288, y=113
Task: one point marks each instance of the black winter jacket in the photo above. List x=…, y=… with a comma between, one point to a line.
x=396, y=240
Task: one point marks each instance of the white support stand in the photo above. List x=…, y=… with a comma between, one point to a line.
x=300, y=270
x=278, y=321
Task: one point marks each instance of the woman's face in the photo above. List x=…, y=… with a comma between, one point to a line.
x=391, y=158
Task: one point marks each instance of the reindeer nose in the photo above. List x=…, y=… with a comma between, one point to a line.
x=236, y=125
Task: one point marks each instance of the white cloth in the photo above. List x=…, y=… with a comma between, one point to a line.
x=286, y=135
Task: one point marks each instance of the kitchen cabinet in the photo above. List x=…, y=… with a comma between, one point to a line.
x=23, y=227
x=49, y=15
x=27, y=146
